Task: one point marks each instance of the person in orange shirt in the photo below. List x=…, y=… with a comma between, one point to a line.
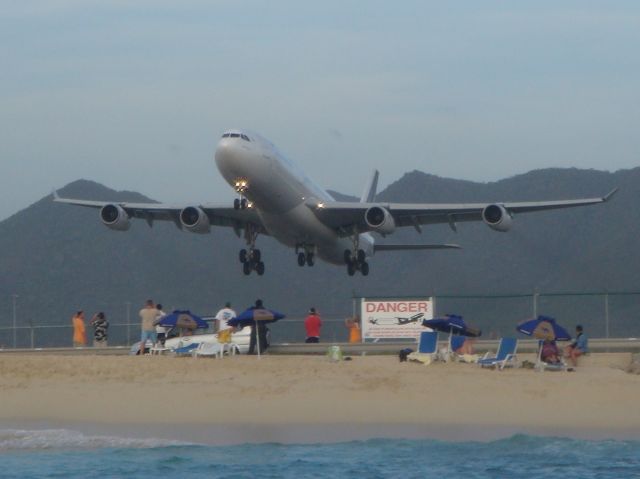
x=79, y=330
x=354, y=329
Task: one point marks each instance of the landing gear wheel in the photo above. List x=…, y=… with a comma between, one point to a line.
x=260, y=268
x=236, y=204
x=347, y=256
x=246, y=268
x=301, y=259
x=351, y=268
x=255, y=255
x=361, y=256
x=243, y=256
x=309, y=259
x=243, y=204
x=364, y=268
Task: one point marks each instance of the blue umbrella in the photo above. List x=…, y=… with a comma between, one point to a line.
x=544, y=327
x=258, y=315
x=452, y=324
x=183, y=319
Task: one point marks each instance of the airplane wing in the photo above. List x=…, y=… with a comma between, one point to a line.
x=218, y=215
x=346, y=217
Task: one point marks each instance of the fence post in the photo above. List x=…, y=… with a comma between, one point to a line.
x=31, y=327
x=606, y=315
x=128, y=322
x=535, y=303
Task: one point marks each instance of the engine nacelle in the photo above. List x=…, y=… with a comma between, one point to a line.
x=194, y=220
x=115, y=217
x=497, y=217
x=380, y=220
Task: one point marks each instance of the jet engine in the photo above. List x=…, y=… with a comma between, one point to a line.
x=194, y=220
x=497, y=217
x=380, y=220
x=115, y=217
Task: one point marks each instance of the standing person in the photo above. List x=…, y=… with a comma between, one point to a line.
x=161, y=331
x=353, y=324
x=579, y=347
x=148, y=315
x=223, y=316
x=79, y=330
x=312, y=325
x=261, y=332
x=100, y=327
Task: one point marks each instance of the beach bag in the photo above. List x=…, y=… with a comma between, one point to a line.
x=334, y=353
x=402, y=355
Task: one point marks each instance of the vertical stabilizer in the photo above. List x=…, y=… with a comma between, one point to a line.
x=369, y=192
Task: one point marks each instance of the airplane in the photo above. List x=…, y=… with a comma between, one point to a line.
x=397, y=321
x=277, y=199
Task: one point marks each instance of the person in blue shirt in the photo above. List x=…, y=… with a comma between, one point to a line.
x=579, y=347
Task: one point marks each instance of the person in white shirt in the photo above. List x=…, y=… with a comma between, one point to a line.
x=223, y=316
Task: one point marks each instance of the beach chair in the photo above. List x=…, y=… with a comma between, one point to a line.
x=544, y=366
x=456, y=343
x=225, y=340
x=505, y=357
x=208, y=349
x=185, y=350
x=427, y=348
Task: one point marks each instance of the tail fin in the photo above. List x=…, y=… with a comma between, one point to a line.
x=369, y=192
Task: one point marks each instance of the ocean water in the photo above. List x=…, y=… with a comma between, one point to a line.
x=59, y=453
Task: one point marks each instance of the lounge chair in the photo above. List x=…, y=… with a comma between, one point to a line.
x=506, y=355
x=544, y=366
x=225, y=340
x=185, y=350
x=427, y=348
x=208, y=349
x=456, y=343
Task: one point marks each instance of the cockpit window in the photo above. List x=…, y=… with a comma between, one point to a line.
x=236, y=135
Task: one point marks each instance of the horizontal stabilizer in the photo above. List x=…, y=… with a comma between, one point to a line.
x=413, y=247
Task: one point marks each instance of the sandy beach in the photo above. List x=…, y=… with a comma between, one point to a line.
x=309, y=399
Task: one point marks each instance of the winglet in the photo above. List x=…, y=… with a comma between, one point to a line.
x=608, y=196
x=55, y=195
x=369, y=192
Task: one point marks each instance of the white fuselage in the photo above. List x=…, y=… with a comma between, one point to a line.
x=279, y=192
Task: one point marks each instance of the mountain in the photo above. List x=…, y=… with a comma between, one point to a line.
x=58, y=258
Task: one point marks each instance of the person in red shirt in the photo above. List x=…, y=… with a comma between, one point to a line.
x=312, y=324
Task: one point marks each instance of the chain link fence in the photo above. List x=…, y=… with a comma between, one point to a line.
x=602, y=314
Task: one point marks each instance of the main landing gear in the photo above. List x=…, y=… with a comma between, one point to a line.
x=356, y=261
x=251, y=259
x=305, y=257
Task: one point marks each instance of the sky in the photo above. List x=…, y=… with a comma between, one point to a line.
x=135, y=95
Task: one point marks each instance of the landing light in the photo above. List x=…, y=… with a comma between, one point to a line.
x=320, y=205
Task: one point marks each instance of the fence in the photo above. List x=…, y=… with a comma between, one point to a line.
x=603, y=315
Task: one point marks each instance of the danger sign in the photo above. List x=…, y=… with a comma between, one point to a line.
x=394, y=319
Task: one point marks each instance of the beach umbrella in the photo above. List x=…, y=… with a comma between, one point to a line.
x=183, y=319
x=452, y=324
x=253, y=316
x=544, y=327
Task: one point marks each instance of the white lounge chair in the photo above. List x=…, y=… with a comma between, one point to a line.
x=208, y=349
